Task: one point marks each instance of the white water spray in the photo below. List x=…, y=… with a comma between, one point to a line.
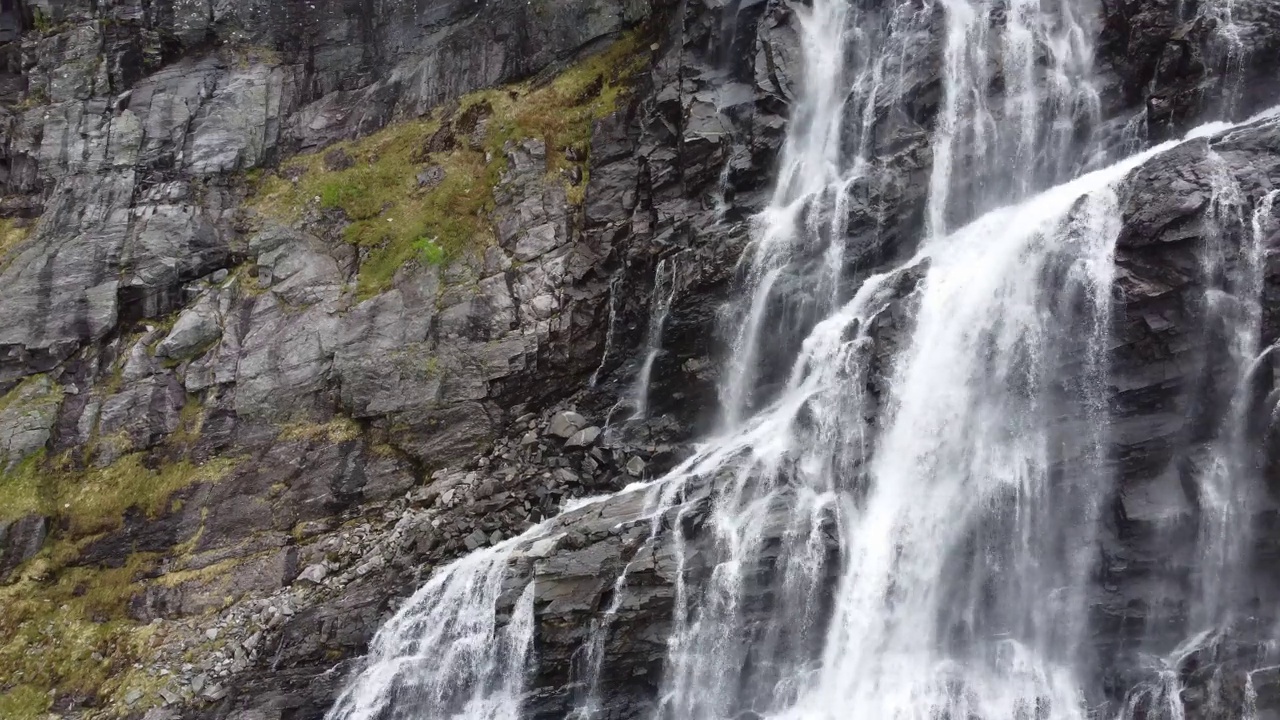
x=900, y=533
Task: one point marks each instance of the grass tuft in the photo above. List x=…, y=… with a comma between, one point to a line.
x=337, y=430
x=67, y=633
x=12, y=232
x=375, y=183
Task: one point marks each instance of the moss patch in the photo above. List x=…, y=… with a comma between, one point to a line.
x=33, y=390
x=337, y=430
x=95, y=500
x=374, y=181
x=65, y=629
x=23, y=701
x=190, y=423
x=66, y=633
x=12, y=232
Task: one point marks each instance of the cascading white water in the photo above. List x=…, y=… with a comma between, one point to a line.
x=609, y=331
x=664, y=290
x=902, y=533
x=810, y=166
x=958, y=595
x=1001, y=155
x=1233, y=303
x=1005, y=154
x=445, y=653
x=1227, y=472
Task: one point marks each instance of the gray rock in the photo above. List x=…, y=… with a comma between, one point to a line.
x=21, y=540
x=196, y=328
x=313, y=574
x=477, y=539
x=27, y=416
x=431, y=177
x=566, y=424
x=635, y=467
x=583, y=438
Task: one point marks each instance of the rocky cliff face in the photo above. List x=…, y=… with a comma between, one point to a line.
x=294, y=297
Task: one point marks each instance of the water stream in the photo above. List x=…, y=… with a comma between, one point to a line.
x=929, y=514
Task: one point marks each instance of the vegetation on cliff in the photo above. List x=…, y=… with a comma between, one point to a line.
x=66, y=630
x=422, y=189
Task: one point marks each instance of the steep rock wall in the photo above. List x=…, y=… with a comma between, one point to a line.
x=240, y=458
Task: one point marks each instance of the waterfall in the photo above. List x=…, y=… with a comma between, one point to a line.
x=1233, y=308
x=903, y=524
x=1006, y=153
x=445, y=653
x=1002, y=154
x=609, y=331
x=810, y=167
x=664, y=291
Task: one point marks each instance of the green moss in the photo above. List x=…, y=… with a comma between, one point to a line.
x=21, y=489
x=339, y=429
x=399, y=222
x=12, y=232
x=190, y=423
x=34, y=393
x=432, y=367
x=24, y=702
x=41, y=22
x=220, y=570
x=98, y=502
x=430, y=250
x=66, y=632
x=66, y=629
x=95, y=500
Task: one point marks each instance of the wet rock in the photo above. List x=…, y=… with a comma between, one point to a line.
x=635, y=467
